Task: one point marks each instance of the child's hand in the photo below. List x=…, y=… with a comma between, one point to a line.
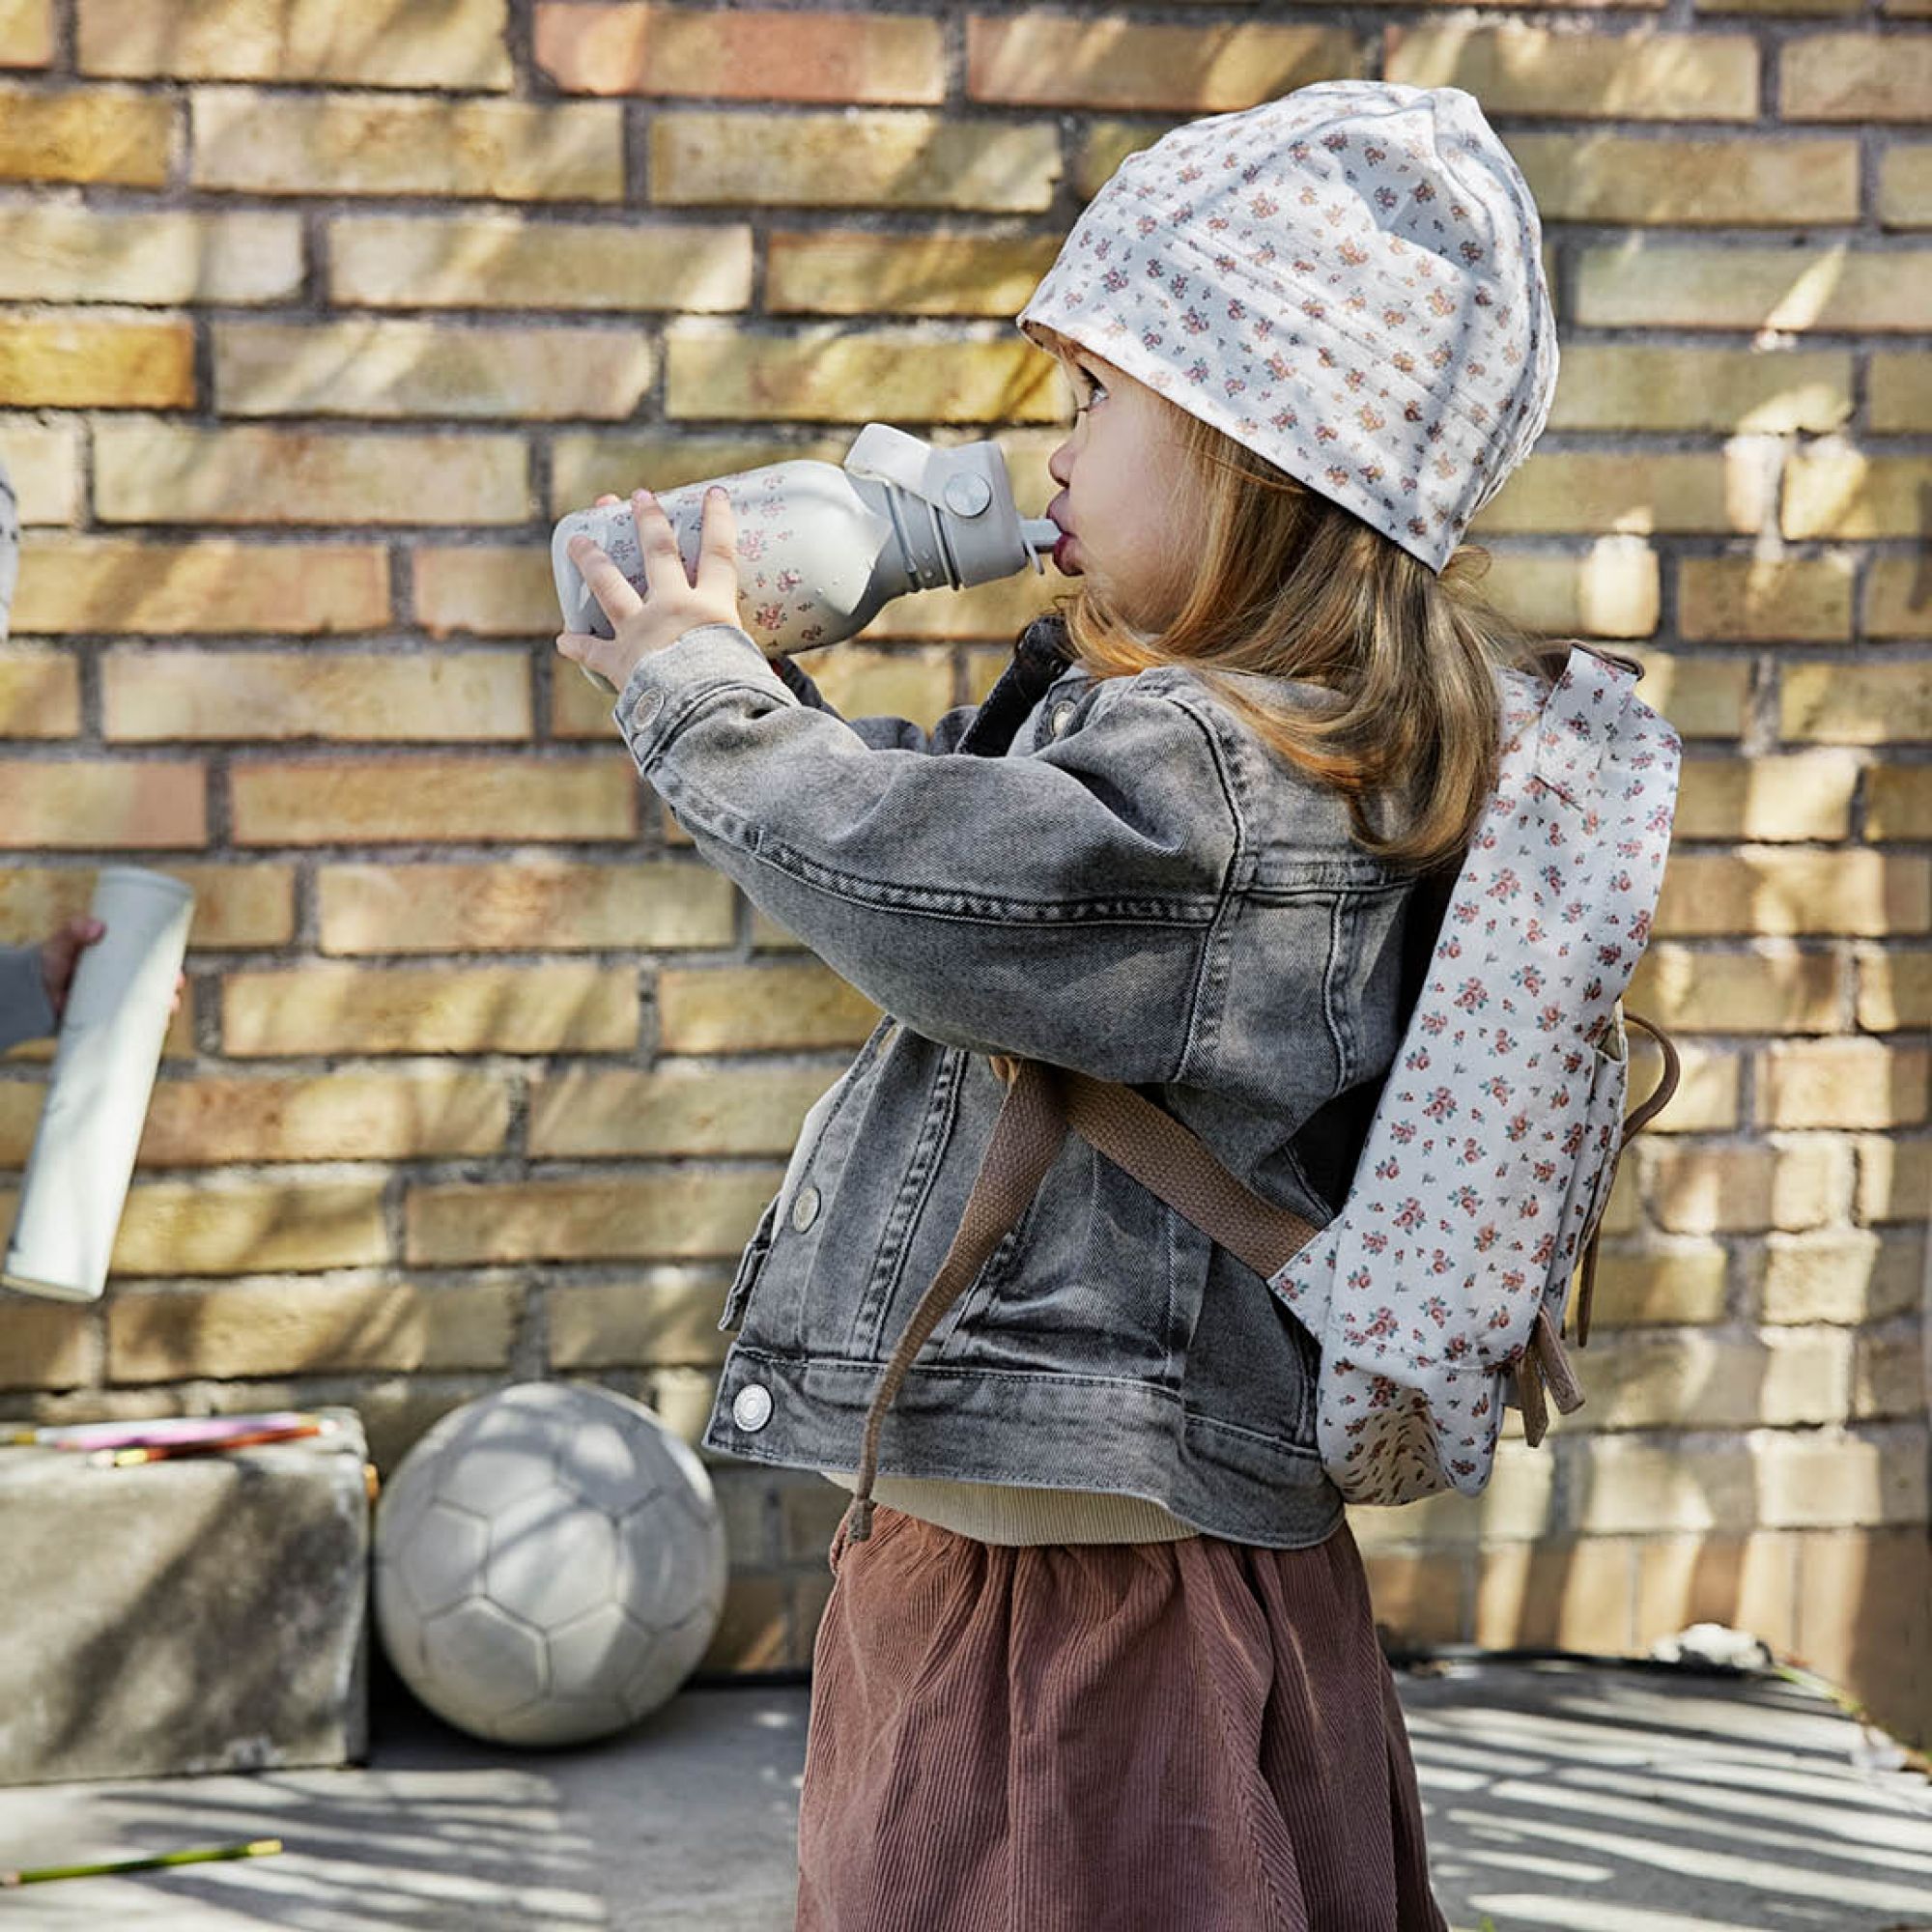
x=673, y=602
x=57, y=955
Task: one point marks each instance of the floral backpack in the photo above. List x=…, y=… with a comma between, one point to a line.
x=1438, y=1292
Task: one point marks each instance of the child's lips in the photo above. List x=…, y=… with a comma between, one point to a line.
x=1060, y=562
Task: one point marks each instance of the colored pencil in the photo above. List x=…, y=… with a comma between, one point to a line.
x=255, y=1848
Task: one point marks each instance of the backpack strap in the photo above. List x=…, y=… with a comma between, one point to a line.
x=1635, y=1123
x=1026, y=1136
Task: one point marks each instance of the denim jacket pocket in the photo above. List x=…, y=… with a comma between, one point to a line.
x=750, y=1262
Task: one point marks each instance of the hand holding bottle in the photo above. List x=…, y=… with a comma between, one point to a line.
x=673, y=602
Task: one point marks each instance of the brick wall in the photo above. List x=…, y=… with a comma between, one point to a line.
x=316, y=314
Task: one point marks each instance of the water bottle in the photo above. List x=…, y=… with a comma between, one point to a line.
x=822, y=547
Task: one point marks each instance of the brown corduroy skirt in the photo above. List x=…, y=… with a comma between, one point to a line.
x=1195, y=1736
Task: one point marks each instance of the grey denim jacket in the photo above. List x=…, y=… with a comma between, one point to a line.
x=1113, y=875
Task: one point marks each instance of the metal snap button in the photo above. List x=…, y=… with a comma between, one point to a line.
x=804, y=1208
x=752, y=1408
x=649, y=703
x=1062, y=716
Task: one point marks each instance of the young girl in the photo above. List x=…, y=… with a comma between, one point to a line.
x=1104, y=1659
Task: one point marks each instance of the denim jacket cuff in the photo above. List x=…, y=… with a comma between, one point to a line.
x=665, y=687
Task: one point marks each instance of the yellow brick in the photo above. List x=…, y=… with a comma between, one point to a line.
x=1704, y=697
x=212, y=1225
x=86, y=134
x=1748, y=1583
x=149, y=472
x=382, y=261
x=323, y=1009
x=1855, y=704
x=596, y=1112
x=860, y=682
x=1896, y=990
x=585, y=463
x=358, y=1114
x=1681, y=1282
x=44, y=1345
x=1418, y=1598
x=529, y=905
x=39, y=692
x=1778, y=7
x=1709, y=184
x=864, y=158
x=671, y=1214
x=1105, y=144
x=1638, y=1380
x=1863, y=1598
x=43, y=461
x=1888, y=1376
x=1728, y=1190
x=502, y=150
x=487, y=591
x=1803, y=795
x=1706, y=1100
x=1901, y=394
x=1566, y=1596
x=754, y=1008
x=1519, y=1505
x=998, y=610
x=1894, y=1178
x=210, y=585
x=26, y=33
x=748, y=55
x=366, y=43
x=1738, y=992
x=1905, y=187
x=824, y=373
x=1806, y=1481
x=425, y=368
x=1843, y=1083
x=1625, y=1486
x=1773, y=891
x=1609, y=591
x=1592, y=492
x=1771, y=392
x=1034, y=60
x=302, y=1328
x=1516, y=70
x=72, y=362
x=373, y=800
x=50, y=251
x=843, y=273
x=663, y=1315
x=1854, y=494
x=1898, y=802
x=233, y=905
x=1855, y=77
x=272, y=695
x=1645, y=282
x=75, y=803
x=1728, y=598
x=582, y=710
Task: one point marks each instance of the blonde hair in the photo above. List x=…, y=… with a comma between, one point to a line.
x=1290, y=585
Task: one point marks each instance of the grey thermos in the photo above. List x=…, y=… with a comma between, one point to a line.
x=822, y=547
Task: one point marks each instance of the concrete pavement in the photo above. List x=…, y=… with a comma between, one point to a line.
x=1578, y=1796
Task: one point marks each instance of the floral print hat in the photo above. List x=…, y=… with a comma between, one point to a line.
x=1348, y=281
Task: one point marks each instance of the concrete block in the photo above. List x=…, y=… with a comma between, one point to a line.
x=199, y=1615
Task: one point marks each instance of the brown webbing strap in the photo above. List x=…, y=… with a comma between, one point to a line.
x=1026, y=1137
x=1634, y=1124
x=1162, y=1155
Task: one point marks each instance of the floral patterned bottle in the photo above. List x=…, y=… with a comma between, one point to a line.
x=822, y=547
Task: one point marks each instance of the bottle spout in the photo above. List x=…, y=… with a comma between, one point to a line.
x=1039, y=535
